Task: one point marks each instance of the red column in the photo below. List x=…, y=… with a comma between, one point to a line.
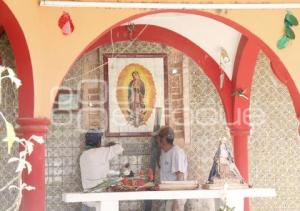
x=240, y=137
x=240, y=126
x=242, y=79
x=34, y=200
x=240, y=146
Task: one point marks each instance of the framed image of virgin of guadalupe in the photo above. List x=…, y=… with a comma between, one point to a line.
x=137, y=84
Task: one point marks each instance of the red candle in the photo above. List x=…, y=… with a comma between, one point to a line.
x=125, y=181
x=142, y=173
x=150, y=175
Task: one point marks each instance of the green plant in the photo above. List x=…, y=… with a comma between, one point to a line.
x=226, y=208
x=27, y=148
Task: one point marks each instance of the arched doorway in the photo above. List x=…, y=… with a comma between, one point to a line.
x=248, y=48
x=23, y=62
x=278, y=67
x=137, y=148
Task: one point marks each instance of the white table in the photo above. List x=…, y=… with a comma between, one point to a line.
x=110, y=201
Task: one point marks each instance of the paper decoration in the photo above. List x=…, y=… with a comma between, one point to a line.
x=65, y=23
x=130, y=29
x=289, y=21
x=224, y=59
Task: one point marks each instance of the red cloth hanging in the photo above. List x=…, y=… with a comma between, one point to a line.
x=65, y=23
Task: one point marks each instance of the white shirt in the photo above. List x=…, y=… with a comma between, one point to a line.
x=172, y=161
x=94, y=164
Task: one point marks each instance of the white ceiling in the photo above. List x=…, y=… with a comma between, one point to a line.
x=207, y=33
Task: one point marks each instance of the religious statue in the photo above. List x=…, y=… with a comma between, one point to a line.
x=224, y=170
x=136, y=94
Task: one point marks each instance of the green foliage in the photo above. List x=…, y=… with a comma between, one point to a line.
x=16, y=182
x=226, y=208
x=103, y=185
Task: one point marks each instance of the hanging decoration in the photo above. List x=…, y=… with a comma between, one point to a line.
x=130, y=29
x=65, y=23
x=240, y=93
x=224, y=59
x=289, y=21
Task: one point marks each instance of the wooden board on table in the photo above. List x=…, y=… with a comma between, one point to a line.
x=221, y=186
x=178, y=185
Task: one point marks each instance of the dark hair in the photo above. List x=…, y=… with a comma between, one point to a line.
x=168, y=133
x=93, y=138
x=135, y=72
x=109, y=144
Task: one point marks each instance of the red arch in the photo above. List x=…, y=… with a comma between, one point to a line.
x=231, y=103
x=170, y=38
x=279, y=69
x=22, y=57
x=161, y=35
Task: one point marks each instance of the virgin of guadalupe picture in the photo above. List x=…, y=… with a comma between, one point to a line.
x=136, y=86
x=136, y=94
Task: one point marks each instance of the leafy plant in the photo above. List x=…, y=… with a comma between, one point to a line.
x=26, y=149
x=226, y=208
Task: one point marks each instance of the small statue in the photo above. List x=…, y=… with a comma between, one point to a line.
x=224, y=170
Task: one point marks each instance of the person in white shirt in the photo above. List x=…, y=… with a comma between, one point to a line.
x=94, y=162
x=173, y=164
